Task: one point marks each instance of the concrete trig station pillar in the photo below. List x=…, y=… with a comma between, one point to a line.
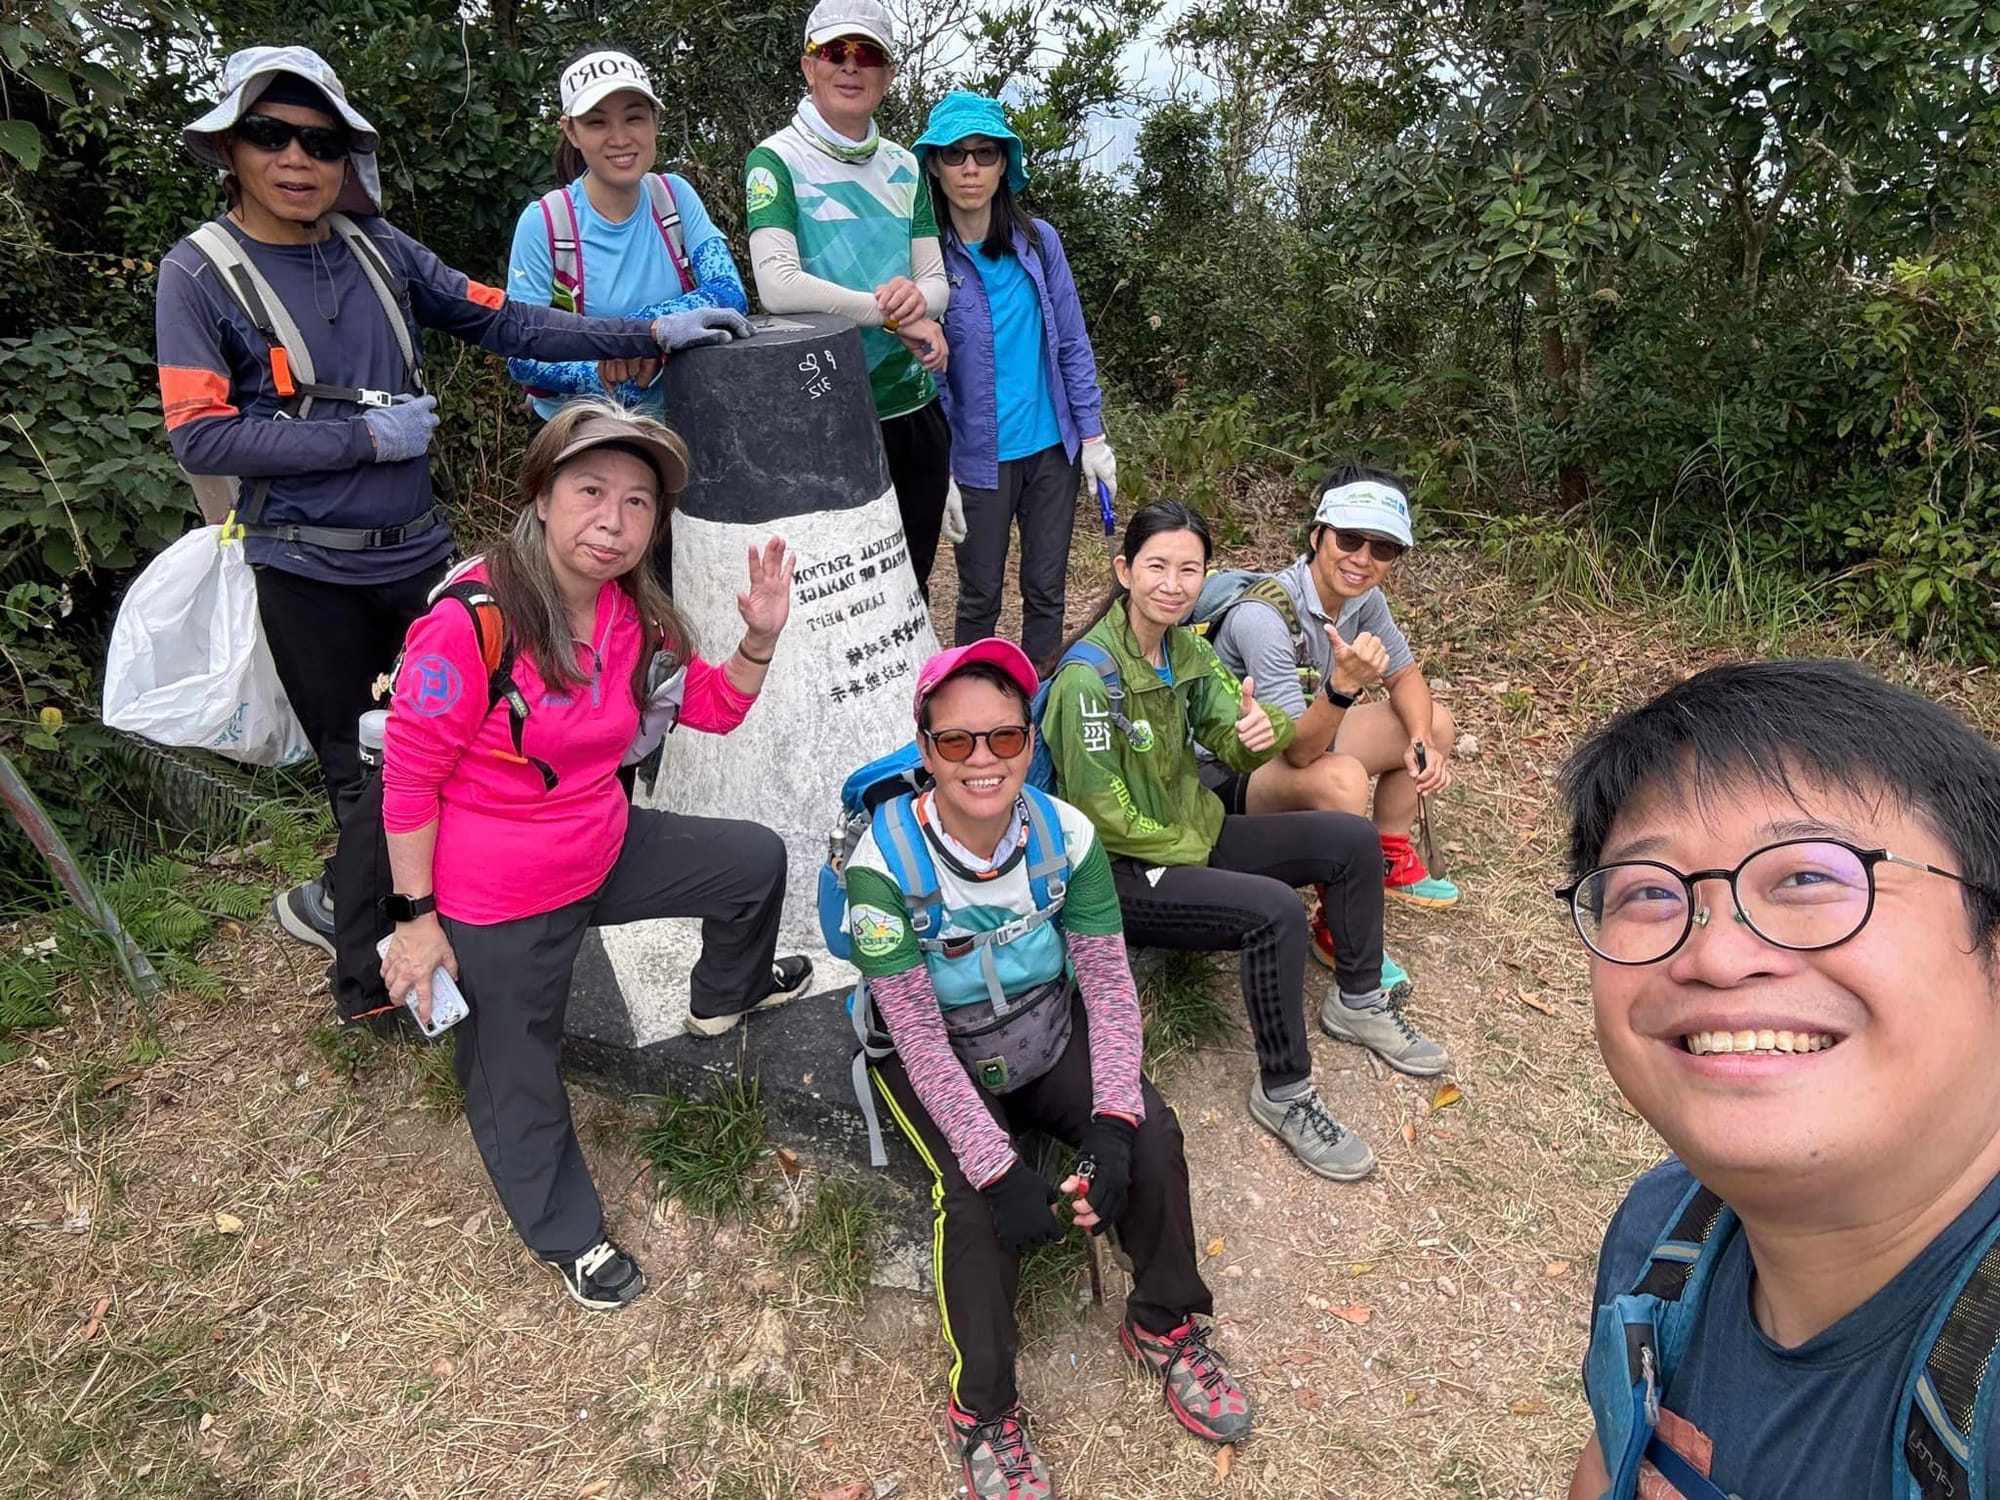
x=783, y=436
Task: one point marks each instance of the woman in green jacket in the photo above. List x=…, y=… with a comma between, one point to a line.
x=1191, y=877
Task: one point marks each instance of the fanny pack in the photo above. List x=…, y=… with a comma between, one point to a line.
x=1006, y=1050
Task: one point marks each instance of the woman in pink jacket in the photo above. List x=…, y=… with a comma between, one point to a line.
x=510, y=833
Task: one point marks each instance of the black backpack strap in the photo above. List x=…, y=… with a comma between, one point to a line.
x=1944, y=1429
x=1674, y=1256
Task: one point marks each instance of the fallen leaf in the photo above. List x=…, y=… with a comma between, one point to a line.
x=861, y=1489
x=592, y=1490
x=788, y=1161
x=1216, y=1247
x=1361, y=1268
x=1555, y=1269
x=473, y=1224
x=1447, y=1287
x=1529, y=1406
x=1447, y=1095
x=1355, y=1312
x=207, y=1421
x=1409, y=1133
x=96, y=1318
x=1534, y=1001
x=227, y=1223
x=441, y=1369
x=1225, y=1458
x=1308, y=1398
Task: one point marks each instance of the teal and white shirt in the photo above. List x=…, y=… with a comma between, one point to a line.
x=854, y=222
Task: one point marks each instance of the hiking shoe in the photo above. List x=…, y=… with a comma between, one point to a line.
x=789, y=977
x=1405, y=879
x=996, y=1457
x=603, y=1278
x=306, y=914
x=1314, y=1136
x=1201, y=1393
x=1396, y=982
x=1385, y=1031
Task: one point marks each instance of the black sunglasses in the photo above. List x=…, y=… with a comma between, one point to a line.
x=957, y=744
x=954, y=156
x=268, y=133
x=1379, y=548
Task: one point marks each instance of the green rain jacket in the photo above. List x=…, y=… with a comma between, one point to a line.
x=1145, y=798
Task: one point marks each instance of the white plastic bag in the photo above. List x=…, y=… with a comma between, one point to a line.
x=188, y=663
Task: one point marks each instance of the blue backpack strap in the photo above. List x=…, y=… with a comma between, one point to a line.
x=1048, y=853
x=1637, y=1340
x=902, y=844
x=1947, y=1400
x=1105, y=666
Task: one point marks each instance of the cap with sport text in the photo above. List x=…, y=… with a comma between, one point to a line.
x=596, y=76
x=1005, y=655
x=1366, y=505
x=869, y=18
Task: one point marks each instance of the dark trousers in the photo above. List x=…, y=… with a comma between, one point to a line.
x=1040, y=492
x=918, y=446
x=1245, y=899
x=329, y=642
x=976, y=1279
x=516, y=978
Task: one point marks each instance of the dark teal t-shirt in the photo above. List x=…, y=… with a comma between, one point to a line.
x=1821, y=1419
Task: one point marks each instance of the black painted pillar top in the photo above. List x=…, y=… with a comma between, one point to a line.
x=771, y=430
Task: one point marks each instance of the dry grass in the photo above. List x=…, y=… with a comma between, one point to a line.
x=374, y=1329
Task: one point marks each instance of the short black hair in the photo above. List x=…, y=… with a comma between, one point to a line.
x=1773, y=723
x=978, y=671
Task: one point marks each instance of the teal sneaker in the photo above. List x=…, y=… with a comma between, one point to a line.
x=1405, y=878
x=1396, y=983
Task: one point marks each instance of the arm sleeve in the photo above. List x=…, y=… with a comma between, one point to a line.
x=1254, y=633
x=784, y=287
x=713, y=704
x=1089, y=776
x=437, y=708
x=1074, y=356
x=1104, y=977
x=199, y=393
x=1215, y=703
x=901, y=987
x=452, y=301
x=927, y=270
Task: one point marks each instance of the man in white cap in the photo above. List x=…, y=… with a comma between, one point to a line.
x=841, y=222
x=1316, y=637
x=290, y=371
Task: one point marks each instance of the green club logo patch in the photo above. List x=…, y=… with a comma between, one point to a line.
x=762, y=188
x=876, y=932
x=1142, y=736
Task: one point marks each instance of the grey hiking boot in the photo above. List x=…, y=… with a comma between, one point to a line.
x=1385, y=1031
x=1315, y=1137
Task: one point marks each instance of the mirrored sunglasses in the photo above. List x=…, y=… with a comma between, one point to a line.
x=866, y=54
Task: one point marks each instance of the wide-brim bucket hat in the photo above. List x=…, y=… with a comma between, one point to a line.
x=962, y=113
x=245, y=77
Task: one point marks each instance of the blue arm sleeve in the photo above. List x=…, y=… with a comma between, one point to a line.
x=717, y=284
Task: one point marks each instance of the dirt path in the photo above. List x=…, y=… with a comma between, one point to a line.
x=237, y=1271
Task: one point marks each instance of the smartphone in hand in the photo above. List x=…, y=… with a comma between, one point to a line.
x=448, y=1005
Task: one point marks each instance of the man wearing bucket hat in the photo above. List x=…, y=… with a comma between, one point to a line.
x=290, y=371
x=1020, y=1014
x=1021, y=389
x=840, y=223
x=1317, y=637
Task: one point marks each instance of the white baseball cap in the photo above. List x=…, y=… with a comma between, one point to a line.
x=1366, y=505
x=595, y=76
x=869, y=18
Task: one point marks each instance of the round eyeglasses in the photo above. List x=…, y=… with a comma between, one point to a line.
x=1802, y=894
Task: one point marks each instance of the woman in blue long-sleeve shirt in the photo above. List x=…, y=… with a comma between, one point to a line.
x=644, y=245
x=1021, y=389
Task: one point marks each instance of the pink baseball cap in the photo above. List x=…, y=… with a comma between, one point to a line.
x=1005, y=655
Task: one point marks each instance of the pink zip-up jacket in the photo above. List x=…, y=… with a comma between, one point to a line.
x=507, y=847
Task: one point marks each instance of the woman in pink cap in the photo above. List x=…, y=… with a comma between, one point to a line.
x=1005, y=991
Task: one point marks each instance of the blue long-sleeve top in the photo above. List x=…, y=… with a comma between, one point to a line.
x=628, y=269
x=224, y=413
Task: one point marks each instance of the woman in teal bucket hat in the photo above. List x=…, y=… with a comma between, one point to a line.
x=1021, y=390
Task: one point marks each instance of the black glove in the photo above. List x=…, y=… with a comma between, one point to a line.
x=1020, y=1203
x=1105, y=1160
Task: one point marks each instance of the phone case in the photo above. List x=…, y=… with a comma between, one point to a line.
x=448, y=1006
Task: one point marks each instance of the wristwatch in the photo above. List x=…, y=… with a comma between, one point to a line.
x=400, y=908
x=1339, y=699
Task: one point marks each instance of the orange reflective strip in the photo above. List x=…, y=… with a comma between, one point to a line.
x=281, y=372
x=485, y=296
x=189, y=393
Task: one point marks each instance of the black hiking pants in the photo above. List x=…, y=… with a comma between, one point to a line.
x=1038, y=492
x=1245, y=900
x=918, y=447
x=977, y=1280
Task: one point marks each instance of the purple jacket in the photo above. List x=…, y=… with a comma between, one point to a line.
x=967, y=387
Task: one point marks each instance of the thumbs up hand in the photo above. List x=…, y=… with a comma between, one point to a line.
x=1254, y=729
x=1358, y=665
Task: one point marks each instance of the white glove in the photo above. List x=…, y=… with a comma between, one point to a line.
x=954, y=515
x=662, y=712
x=1100, y=464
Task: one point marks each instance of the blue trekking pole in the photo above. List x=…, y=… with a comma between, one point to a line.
x=1105, y=510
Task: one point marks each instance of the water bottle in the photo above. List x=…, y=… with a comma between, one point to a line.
x=374, y=725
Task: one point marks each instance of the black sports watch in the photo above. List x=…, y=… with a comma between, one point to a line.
x=1339, y=699
x=400, y=908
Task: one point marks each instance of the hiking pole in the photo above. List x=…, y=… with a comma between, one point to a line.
x=1109, y=516
x=1424, y=815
